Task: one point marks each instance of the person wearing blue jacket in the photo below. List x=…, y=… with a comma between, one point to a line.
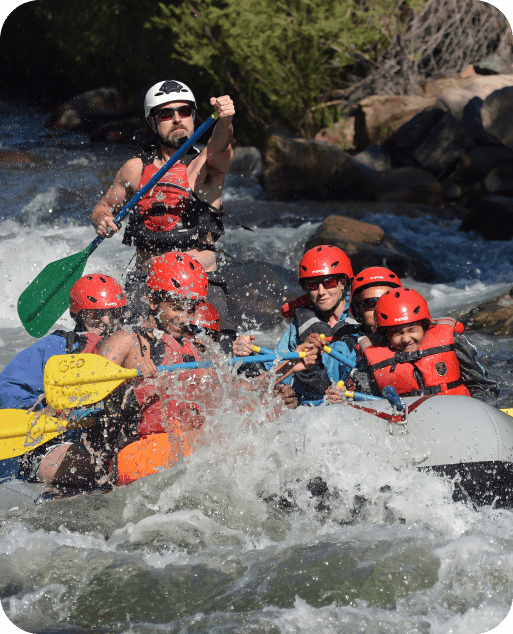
x=96, y=302
x=325, y=273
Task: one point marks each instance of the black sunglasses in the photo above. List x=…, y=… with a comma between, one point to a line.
x=369, y=303
x=168, y=113
x=327, y=282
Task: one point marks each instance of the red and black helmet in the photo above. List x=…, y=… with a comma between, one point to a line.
x=325, y=260
x=206, y=316
x=374, y=276
x=401, y=306
x=178, y=273
x=96, y=292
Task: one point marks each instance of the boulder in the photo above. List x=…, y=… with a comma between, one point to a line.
x=247, y=162
x=493, y=317
x=409, y=184
x=433, y=89
x=258, y=291
x=375, y=157
x=366, y=245
x=103, y=103
x=296, y=167
x=450, y=189
x=473, y=123
x=481, y=160
x=492, y=217
x=495, y=65
x=379, y=116
x=500, y=180
x=455, y=99
x=340, y=134
x=497, y=115
x=15, y=157
x=433, y=140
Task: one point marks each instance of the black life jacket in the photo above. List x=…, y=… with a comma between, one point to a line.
x=309, y=321
x=88, y=342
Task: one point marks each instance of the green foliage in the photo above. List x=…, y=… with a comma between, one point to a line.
x=279, y=59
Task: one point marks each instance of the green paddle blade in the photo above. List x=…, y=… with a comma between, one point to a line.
x=47, y=297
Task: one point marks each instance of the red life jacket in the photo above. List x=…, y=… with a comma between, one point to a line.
x=164, y=205
x=153, y=409
x=436, y=363
x=170, y=216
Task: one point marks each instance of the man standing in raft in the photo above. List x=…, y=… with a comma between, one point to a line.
x=420, y=356
x=182, y=212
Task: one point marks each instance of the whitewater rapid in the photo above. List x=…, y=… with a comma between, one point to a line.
x=231, y=539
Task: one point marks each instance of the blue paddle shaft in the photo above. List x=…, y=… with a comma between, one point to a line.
x=205, y=364
x=359, y=396
x=165, y=168
x=341, y=358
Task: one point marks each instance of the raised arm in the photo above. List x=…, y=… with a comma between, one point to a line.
x=219, y=149
x=119, y=193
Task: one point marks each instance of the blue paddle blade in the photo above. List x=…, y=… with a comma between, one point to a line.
x=47, y=297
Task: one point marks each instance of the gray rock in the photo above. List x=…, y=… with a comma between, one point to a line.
x=492, y=317
x=433, y=140
x=366, y=245
x=296, y=167
x=374, y=157
x=495, y=65
x=483, y=159
x=500, y=180
x=472, y=122
x=247, y=162
x=497, y=115
x=258, y=291
x=492, y=217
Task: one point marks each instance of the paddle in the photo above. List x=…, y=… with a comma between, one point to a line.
x=47, y=297
x=22, y=431
x=357, y=396
x=73, y=380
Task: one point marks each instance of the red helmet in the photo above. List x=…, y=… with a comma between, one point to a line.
x=95, y=291
x=206, y=316
x=374, y=276
x=179, y=274
x=325, y=260
x=401, y=306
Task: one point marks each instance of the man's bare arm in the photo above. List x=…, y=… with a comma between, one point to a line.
x=118, y=194
x=219, y=149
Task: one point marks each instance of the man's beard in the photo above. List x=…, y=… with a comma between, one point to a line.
x=174, y=142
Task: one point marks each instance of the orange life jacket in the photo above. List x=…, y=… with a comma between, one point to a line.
x=432, y=369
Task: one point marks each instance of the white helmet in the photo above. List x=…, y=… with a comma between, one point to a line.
x=164, y=92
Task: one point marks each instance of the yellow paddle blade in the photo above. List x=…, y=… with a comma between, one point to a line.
x=508, y=411
x=22, y=431
x=75, y=380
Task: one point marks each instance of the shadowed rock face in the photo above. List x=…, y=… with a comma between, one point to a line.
x=492, y=217
x=493, y=317
x=366, y=245
x=258, y=291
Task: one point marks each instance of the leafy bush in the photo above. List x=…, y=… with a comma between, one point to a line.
x=280, y=60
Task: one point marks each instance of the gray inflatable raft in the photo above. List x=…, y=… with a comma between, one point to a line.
x=450, y=435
